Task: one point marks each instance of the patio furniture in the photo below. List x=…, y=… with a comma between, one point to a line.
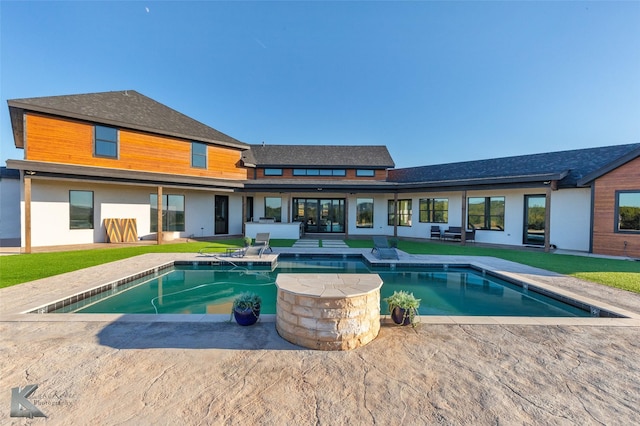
x=262, y=238
x=435, y=232
x=383, y=249
x=452, y=233
x=470, y=235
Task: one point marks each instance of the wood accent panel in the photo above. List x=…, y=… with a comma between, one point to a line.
x=605, y=239
x=121, y=230
x=59, y=140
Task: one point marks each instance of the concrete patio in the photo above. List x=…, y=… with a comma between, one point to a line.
x=196, y=369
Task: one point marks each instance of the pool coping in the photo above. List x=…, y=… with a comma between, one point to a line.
x=54, y=289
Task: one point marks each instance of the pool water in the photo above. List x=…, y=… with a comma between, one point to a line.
x=211, y=289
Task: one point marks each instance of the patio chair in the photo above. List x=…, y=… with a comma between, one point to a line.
x=262, y=238
x=435, y=232
x=383, y=249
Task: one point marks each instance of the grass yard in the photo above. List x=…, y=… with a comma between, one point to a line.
x=621, y=274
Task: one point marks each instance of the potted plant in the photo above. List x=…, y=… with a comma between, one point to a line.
x=246, y=308
x=403, y=307
x=247, y=241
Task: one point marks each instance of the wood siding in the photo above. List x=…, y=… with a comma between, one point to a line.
x=605, y=239
x=59, y=140
x=380, y=175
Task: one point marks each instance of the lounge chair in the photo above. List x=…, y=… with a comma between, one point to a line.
x=262, y=238
x=255, y=250
x=252, y=251
x=384, y=250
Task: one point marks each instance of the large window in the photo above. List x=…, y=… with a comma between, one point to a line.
x=364, y=213
x=106, y=142
x=172, y=212
x=80, y=209
x=403, y=213
x=628, y=209
x=273, y=172
x=434, y=210
x=486, y=213
x=273, y=208
x=319, y=172
x=198, y=155
x=365, y=172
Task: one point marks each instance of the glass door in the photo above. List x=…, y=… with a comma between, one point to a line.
x=320, y=215
x=222, y=214
x=534, y=219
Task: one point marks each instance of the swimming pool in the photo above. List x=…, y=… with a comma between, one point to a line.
x=198, y=289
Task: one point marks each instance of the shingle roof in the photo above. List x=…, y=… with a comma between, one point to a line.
x=319, y=156
x=568, y=167
x=127, y=109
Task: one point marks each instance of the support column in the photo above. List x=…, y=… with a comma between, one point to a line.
x=547, y=218
x=27, y=214
x=346, y=217
x=463, y=236
x=159, y=207
x=244, y=213
x=395, y=215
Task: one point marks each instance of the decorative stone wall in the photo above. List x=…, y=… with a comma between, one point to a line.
x=328, y=311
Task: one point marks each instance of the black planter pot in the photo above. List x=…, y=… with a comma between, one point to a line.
x=398, y=316
x=246, y=316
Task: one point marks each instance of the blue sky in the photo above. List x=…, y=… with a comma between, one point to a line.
x=435, y=82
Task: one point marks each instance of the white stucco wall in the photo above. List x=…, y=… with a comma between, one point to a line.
x=50, y=211
x=9, y=208
x=571, y=219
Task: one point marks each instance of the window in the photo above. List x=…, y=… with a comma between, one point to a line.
x=486, y=213
x=105, y=142
x=172, y=212
x=364, y=213
x=80, y=209
x=628, y=211
x=198, y=155
x=273, y=208
x=319, y=172
x=434, y=210
x=404, y=213
x=365, y=172
x=273, y=172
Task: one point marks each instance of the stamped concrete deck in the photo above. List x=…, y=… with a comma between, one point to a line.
x=181, y=369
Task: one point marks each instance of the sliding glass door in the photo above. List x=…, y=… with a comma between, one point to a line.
x=324, y=215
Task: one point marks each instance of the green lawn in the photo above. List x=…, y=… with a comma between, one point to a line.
x=622, y=274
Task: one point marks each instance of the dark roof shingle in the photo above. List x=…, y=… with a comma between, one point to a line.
x=569, y=167
x=319, y=156
x=127, y=109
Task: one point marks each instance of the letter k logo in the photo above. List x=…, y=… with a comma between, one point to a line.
x=21, y=406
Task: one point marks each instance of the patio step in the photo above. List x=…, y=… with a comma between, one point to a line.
x=307, y=244
x=338, y=244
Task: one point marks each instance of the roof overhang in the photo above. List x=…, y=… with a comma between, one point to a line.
x=586, y=180
x=305, y=185
x=17, y=125
x=43, y=170
x=526, y=181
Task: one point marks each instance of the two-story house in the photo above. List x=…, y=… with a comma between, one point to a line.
x=105, y=166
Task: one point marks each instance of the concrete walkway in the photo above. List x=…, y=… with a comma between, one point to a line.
x=195, y=369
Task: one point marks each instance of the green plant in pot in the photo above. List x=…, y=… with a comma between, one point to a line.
x=403, y=307
x=246, y=308
x=247, y=241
